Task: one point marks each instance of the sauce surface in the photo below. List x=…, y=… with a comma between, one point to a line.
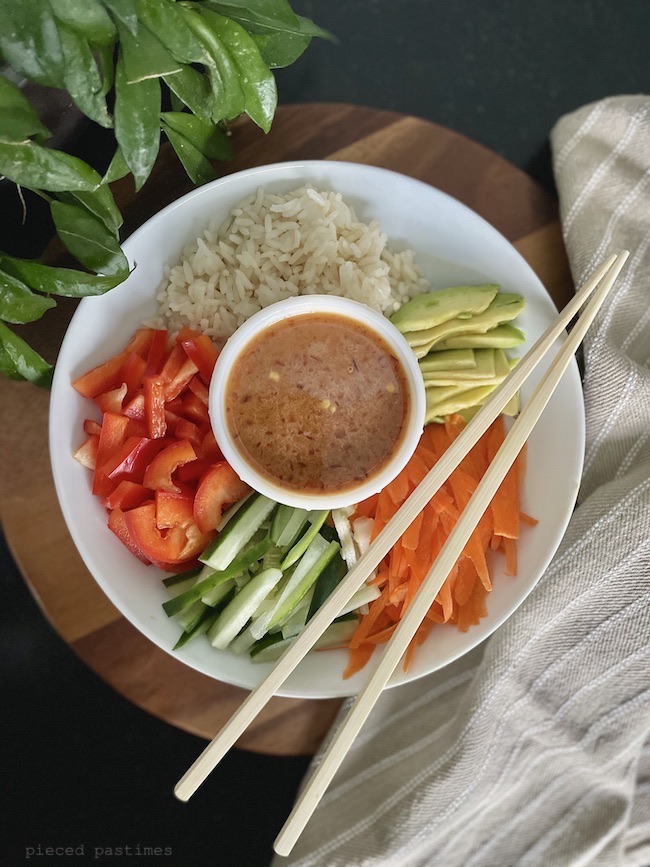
x=317, y=402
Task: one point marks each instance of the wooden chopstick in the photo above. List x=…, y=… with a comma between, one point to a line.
x=355, y=578
x=450, y=552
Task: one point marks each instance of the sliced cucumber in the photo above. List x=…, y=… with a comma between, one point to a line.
x=327, y=581
x=172, y=581
x=237, y=532
x=298, y=617
x=286, y=606
x=216, y=594
x=238, y=612
x=290, y=581
x=214, y=578
x=316, y=521
x=190, y=617
x=269, y=648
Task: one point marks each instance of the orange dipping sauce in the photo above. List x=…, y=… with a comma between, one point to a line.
x=317, y=402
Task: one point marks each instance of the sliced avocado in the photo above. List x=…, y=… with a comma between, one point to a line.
x=503, y=308
x=501, y=337
x=449, y=359
x=440, y=404
x=485, y=370
x=434, y=308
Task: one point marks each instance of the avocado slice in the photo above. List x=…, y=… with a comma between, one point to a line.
x=440, y=404
x=485, y=370
x=503, y=308
x=434, y=308
x=502, y=337
x=449, y=359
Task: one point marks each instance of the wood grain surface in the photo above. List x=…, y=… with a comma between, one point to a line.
x=29, y=511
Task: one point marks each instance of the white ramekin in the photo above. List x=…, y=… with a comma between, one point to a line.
x=290, y=308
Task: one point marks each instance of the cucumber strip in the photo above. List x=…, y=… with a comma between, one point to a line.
x=260, y=625
x=269, y=648
x=316, y=520
x=237, y=532
x=364, y=596
x=215, y=595
x=298, y=617
x=189, y=618
x=327, y=581
x=238, y=612
x=173, y=580
x=232, y=510
x=243, y=642
x=180, y=587
x=208, y=617
x=285, y=607
x=214, y=578
x=292, y=528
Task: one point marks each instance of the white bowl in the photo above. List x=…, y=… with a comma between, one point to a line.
x=453, y=246
x=288, y=309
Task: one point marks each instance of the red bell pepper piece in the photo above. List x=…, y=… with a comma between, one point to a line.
x=154, y=406
x=158, y=475
x=193, y=471
x=135, y=408
x=127, y=495
x=210, y=448
x=219, y=487
x=195, y=410
x=117, y=523
x=173, y=545
x=187, y=430
x=137, y=428
x=203, y=353
x=173, y=509
x=173, y=363
x=157, y=352
x=92, y=427
x=108, y=375
x=86, y=454
x=179, y=382
x=133, y=372
x=110, y=439
x=131, y=460
x=200, y=389
x=112, y=401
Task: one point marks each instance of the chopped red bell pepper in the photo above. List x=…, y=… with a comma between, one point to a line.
x=154, y=406
x=127, y=495
x=112, y=401
x=110, y=439
x=195, y=410
x=131, y=460
x=210, y=448
x=219, y=487
x=117, y=523
x=135, y=408
x=173, y=509
x=193, y=471
x=172, y=363
x=108, y=375
x=200, y=389
x=166, y=545
x=133, y=372
x=157, y=352
x=92, y=427
x=86, y=454
x=158, y=475
x=187, y=430
x=183, y=376
x=203, y=353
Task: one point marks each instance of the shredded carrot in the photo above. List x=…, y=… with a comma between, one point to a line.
x=462, y=599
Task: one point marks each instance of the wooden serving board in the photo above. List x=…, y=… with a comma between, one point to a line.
x=33, y=524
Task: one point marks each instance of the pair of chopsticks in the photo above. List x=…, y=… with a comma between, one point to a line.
x=598, y=286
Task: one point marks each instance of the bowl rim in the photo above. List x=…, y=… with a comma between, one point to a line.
x=290, y=308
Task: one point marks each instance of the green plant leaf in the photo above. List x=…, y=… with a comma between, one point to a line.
x=117, y=169
x=18, y=119
x=194, y=90
x=145, y=57
x=19, y=361
x=137, y=122
x=125, y=12
x=86, y=17
x=33, y=166
x=268, y=16
x=194, y=162
x=88, y=239
x=105, y=56
x=166, y=21
x=280, y=48
x=18, y=304
x=66, y=282
x=257, y=81
x=29, y=41
x=209, y=139
x=229, y=99
x=100, y=203
x=82, y=77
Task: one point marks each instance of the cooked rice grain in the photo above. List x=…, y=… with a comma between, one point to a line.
x=273, y=247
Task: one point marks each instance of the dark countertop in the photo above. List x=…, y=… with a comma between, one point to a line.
x=84, y=768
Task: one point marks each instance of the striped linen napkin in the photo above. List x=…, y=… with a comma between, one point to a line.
x=534, y=749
